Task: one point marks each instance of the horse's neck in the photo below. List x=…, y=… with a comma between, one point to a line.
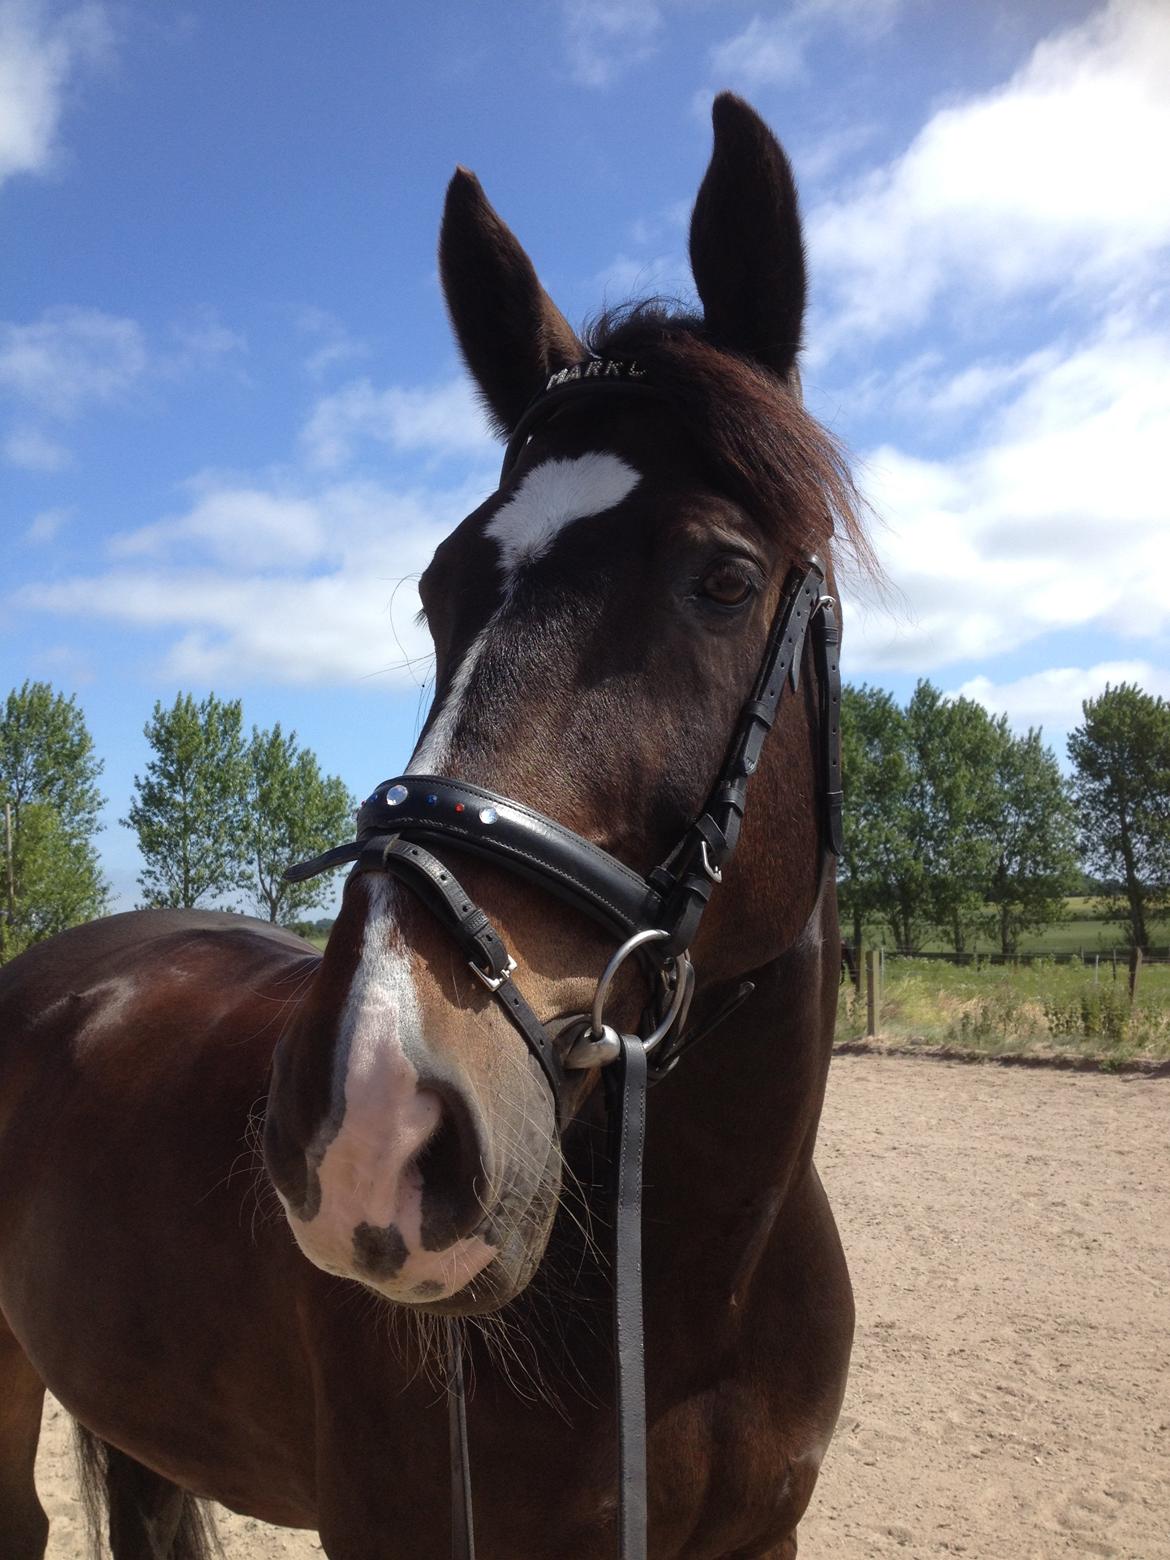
x=730, y=1135
x=737, y=1117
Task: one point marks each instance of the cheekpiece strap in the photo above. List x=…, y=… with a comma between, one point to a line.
x=688, y=875
x=444, y=895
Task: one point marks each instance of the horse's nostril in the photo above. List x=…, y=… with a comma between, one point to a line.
x=453, y=1168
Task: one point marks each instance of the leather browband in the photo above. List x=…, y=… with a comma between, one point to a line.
x=599, y=377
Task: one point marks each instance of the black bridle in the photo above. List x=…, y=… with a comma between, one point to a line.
x=656, y=917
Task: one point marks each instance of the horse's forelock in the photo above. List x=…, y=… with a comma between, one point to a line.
x=764, y=449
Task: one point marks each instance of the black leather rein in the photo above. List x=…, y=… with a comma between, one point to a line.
x=655, y=917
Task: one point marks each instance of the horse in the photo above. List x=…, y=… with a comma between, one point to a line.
x=248, y=1188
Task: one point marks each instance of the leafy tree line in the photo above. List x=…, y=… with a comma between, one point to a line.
x=218, y=815
x=955, y=826
x=50, y=801
x=1121, y=790
x=958, y=828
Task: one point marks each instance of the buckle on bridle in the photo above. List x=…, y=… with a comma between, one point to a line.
x=492, y=982
x=713, y=872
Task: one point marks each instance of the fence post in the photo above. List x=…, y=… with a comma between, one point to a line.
x=1135, y=969
x=873, y=991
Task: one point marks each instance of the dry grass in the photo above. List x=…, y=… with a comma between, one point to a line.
x=1042, y=1008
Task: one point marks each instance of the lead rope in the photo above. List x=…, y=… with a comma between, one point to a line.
x=462, y=1522
x=628, y=1114
x=626, y=1083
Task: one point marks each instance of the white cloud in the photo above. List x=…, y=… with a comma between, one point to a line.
x=71, y=358
x=1057, y=518
x=46, y=526
x=31, y=450
x=335, y=344
x=62, y=664
x=289, y=585
x=247, y=526
x=607, y=38
x=819, y=157
x=927, y=385
x=444, y=419
x=627, y=276
x=1053, y=698
x=201, y=343
x=770, y=50
x=1059, y=179
x=42, y=51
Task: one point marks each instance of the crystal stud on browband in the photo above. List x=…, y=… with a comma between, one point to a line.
x=395, y=795
x=488, y=815
x=432, y=800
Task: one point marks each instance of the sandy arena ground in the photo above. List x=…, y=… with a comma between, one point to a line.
x=1009, y=1236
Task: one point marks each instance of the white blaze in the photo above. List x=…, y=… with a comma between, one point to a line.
x=368, y=1174
x=552, y=496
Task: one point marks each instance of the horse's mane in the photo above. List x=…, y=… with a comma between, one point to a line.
x=766, y=450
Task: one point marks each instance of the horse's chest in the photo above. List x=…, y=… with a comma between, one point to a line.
x=725, y=1478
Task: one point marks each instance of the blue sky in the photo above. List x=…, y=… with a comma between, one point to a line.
x=233, y=424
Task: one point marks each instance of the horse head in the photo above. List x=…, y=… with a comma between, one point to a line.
x=598, y=622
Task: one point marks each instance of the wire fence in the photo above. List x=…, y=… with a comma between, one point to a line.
x=1109, y=1004
x=1095, y=958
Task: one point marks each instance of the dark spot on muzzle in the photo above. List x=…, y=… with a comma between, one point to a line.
x=378, y=1253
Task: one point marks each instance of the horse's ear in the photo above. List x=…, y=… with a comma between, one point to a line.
x=511, y=333
x=746, y=250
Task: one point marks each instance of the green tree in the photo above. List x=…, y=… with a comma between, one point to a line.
x=952, y=806
x=189, y=809
x=49, y=791
x=881, y=876
x=59, y=884
x=1121, y=789
x=293, y=812
x=1033, y=838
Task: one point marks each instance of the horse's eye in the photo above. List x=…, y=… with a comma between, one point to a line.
x=728, y=583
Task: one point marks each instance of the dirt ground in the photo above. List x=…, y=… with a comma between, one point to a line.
x=1009, y=1236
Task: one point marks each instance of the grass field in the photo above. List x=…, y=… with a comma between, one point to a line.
x=1041, y=1008
x=1083, y=929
